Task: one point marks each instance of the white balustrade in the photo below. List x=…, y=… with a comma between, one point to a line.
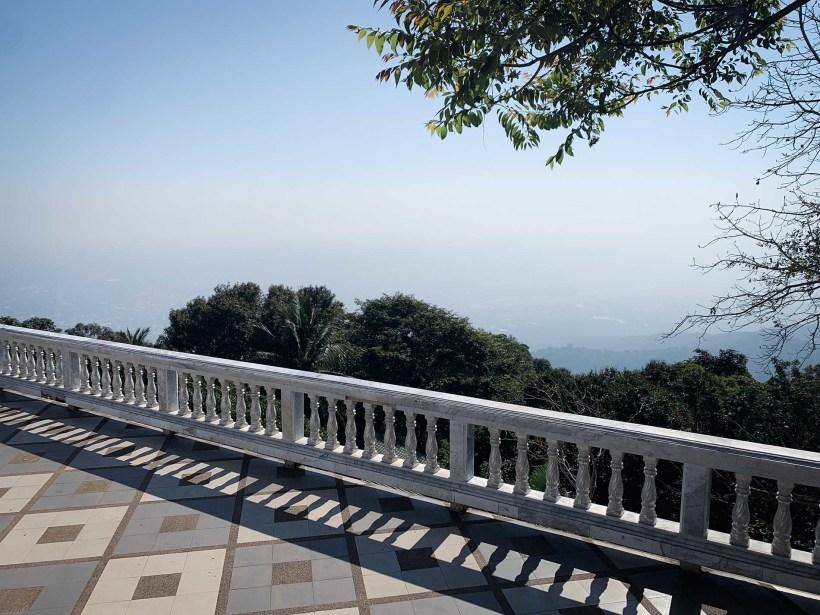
x=332, y=426
x=494, y=465
x=522, y=465
x=270, y=415
x=739, y=535
x=410, y=443
x=315, y=422
x=649, y=495
x=582, y=478
x=256, y=410
x=431, y=447
x=184, y=397
x=197, y=412
x=782, y=524
x=369, y=436
x=241, y=407
x=389, y=435
x=178, y=393
x=615, y=506
x=350, y=427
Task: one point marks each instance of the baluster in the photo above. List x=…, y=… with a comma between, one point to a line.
x=270, y=415
x=183, y=397
x=225, y=403
x=350, y=427
x=241, y=407
x=740, y=512
x=197, y=412
x=14, y=359
x=369, y=432
x=41, y=364
x=32, y=363
x=522, y=466
x=210, y=401
x=58, y=369
x=256, y=410
x=781, y=540
x=106, y=378
x=25, y=361
x=151, y=389
x=410, y=442
x=33, y=375
x=84, y=375
x=648, y=493
x=117, y=385
x=128, y=372
x=45, y=364
x=582, y=500
x=8, y=366
x=615, y=505
x=139, y=392
x=25, y=355
x=332, y=426
x=552, y=487
x=50, y=368
x=96, y=389
x=431, y=447
x=315, y=424
x=815, y=556
x=389, y=435
x=22, y=352
x=494, y=472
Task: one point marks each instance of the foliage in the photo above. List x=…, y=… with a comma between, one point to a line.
x=93, y=330
x=223, y=325
x=137, y=337
x=545, y=65
x=35, y=322
x=402, y=340
x=303, y=328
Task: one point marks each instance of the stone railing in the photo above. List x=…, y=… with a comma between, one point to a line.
x=262, y=410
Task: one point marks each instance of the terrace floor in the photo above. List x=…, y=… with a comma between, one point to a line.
x=98, y=517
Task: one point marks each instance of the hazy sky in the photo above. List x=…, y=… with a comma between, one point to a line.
x=150, y=150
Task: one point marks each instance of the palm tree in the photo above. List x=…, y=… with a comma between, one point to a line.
x=137, y=337
x=304, y=328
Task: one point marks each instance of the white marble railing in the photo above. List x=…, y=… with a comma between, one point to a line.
x=261, y=410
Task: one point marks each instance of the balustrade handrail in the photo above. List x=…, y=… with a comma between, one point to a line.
x=262, y=409
x=682, y=446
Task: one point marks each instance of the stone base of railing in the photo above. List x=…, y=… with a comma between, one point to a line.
x=664, y=539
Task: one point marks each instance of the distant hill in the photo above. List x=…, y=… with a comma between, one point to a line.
x=635, y=352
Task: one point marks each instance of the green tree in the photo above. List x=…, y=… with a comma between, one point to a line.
x=137, y=337
x=222, y=325
x=544, y=65
x=93, y=330
x=35, y=322
x=303, y=328
x=403, y=340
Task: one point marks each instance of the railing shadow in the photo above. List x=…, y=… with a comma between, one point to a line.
x=405, y=538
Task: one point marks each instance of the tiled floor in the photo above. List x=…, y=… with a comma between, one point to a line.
x=98, y=517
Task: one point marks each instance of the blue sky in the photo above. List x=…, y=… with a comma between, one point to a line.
x=151, y=150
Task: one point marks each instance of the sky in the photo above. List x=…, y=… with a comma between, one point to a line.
x=151, y=150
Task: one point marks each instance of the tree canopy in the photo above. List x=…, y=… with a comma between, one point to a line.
x=543, y=65
x=403, y=340
x=222, y=325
